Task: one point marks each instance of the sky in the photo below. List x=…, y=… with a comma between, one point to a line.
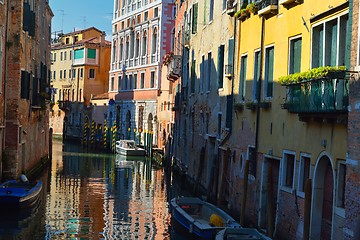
x=81, y=14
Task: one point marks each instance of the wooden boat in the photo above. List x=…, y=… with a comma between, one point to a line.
x=199, y=219
x=129, y=148
x=19, y=194
x=240, y=234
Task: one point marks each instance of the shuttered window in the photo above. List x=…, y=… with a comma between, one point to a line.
x=221, y=66
x=295, y=56
x=79, y=54
x=194, y=18
x=256, y=75
x=91, y=53
x=269, y=71
x=243, y=69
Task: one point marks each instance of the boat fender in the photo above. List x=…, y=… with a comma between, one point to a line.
x=24, y=178
x=191, y=228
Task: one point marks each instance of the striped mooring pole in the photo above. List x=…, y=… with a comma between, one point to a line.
x=92, y=133
x=113, y=137
x=105, y=134
x=85, y=133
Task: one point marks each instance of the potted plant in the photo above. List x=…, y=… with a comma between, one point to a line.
x=252, y=8
x=238, y=106
x=242, y=14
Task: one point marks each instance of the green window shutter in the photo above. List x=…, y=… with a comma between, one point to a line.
x=231, y=52
x=295, y=56
x=91, y=53
x=221, y=66
x=79, y=54
x=195, y=18
x=243, y=77
x=269, y=71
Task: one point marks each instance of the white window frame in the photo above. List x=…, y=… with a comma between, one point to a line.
x=301, y=173
x=283, y=187
x=90, y=73
x=289, y=49
x=265, y=85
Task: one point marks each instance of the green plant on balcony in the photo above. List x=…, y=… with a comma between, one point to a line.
x=242, y=14
x=238, y=106
x=312, y=74
x=252, y=8
x=251, y=105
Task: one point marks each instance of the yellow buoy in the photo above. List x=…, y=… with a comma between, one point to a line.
x=216, y=220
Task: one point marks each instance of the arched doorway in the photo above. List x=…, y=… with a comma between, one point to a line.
x=322, y=202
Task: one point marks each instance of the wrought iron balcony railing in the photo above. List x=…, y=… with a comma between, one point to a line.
x=266, y=6
x=325, y=95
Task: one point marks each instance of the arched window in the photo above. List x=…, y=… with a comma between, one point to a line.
x=144, y=43
x=132, y=41
x=113, y=60
x=154, y=41
x=127, y=48
x=137, y=45
x=121, y=49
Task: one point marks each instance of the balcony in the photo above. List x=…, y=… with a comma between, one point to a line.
x=174, y=68
x=324, y=99
x=230, y=7
x=286, y=2
x=266, y=7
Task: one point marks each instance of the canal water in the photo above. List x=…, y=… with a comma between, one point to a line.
x=96, y=196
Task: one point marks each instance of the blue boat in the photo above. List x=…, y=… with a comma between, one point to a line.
x=19, y=194
x=199, y=219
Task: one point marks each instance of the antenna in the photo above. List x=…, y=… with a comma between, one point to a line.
x=84, y=21
x=62, y=19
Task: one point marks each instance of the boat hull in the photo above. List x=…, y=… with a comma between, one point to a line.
x=16, y=194
x=198, y=225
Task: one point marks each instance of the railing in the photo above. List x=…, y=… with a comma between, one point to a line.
x=153, y=58
x=174, y=68
x=262, y=4
x=143, y=60
x=319, y=96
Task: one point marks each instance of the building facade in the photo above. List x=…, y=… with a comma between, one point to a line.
x=142, y=35
x=352, y=187
x=25, y=89
x=80, y=68
x=288, y=132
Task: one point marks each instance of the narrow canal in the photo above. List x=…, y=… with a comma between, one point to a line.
x=95, y=196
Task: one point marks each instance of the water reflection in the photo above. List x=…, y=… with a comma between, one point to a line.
x=99, y=196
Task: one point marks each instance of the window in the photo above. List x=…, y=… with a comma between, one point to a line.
x=70, y=54
x=125, y=82
x=341, y=181
x=91, y=53
x=54, y=75
x=79, y=54
x=91, y=73
x=112, y=84
x=255, y=83
x=142, y=80
x=193, y=76
x=211, y=13
x=119, y=83
x=69, y=73
x=152, y=80
x=60, y=74
x=288, y=164
x=295, y=55
x=74, y=73
x=146, y=16
x=135, y=81
x=221, y=66
x=60, y=95
x=156, y=12
x=329, y=43
x=243, y=69
x=67, y=40
x=219, y=125
x=54, y=57
x=304, y=171
x=61, y=56
x=224, y=5
x=64, y=74
x=65, y=55
x=131, y=82
x=144, y=44
x=208, y=76
x=194, y=18
x=81, y=73
x=269, y=72
x=154, y=41
x=202, y=74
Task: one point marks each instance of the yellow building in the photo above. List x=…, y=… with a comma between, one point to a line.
x=80, y=69
x=292, y=128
